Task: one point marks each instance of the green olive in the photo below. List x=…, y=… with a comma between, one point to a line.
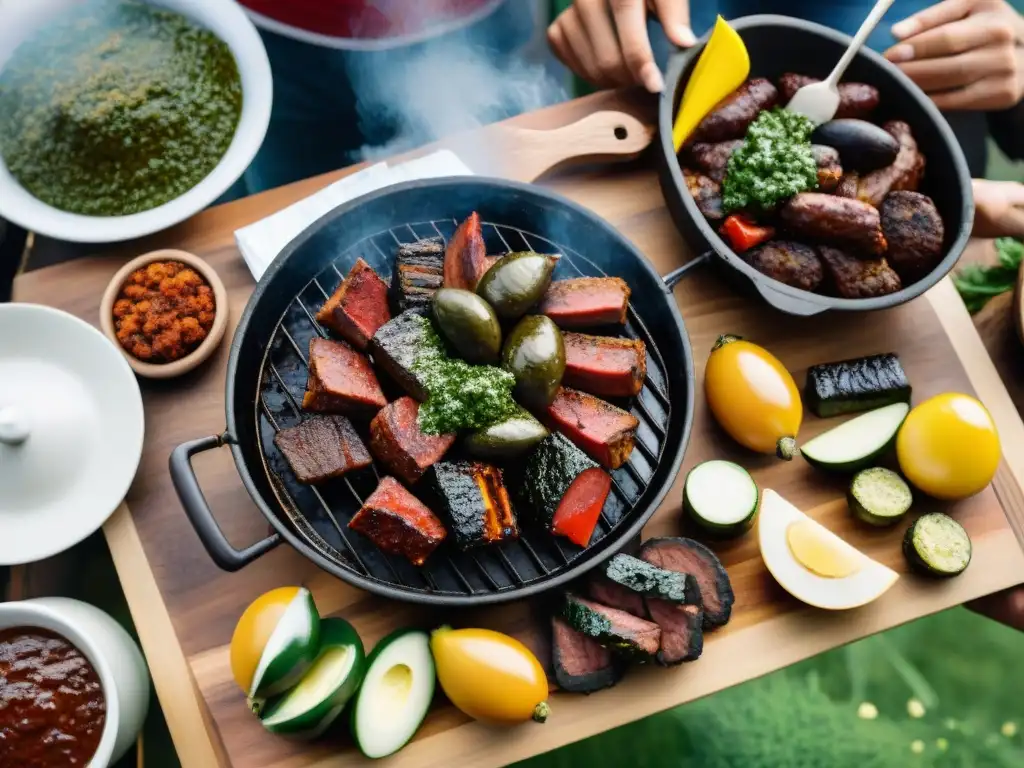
x=517, y=282
x=469, y=324
x=509, y=438
x=534, y=353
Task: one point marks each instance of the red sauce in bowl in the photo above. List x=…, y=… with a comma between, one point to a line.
x=52, y=708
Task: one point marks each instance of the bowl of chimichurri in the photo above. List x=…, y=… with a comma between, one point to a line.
x=119, y=118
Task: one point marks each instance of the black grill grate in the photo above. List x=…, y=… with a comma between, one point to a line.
x=320, y=514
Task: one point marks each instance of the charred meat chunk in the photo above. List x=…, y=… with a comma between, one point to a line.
x=397, y=346
x=584, y=302
x=581, y=664
x=604, y=365
x=340, y=380
x=606, y=592
x=620, y=631
x=904, y=174
x=838, y=220
x=398, y=443
x=853, y=278
x=358, y=307
x=733, y=115
x=682, y=633
x=856, y=100
x=474, y=503
x=465, y=258
x=692, y=557
x=651, y=581
x=605, y=432
x=830, y=170
x=399, y=523
x=321, y=448
x=419, y=272
x=914, y=231
x=788, y=262
x=707, y=194
x=711, y=159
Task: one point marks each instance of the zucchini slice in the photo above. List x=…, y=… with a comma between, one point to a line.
x=720, y=497
x=937, y=545
x=879, y=496
x=648, y=580
x=850, y=386
x=855, y=444
x=395, y=694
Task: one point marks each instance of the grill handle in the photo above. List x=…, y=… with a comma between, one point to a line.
x=198, y=511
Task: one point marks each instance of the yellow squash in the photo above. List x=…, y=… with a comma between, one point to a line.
x=490, y=676
x=753, y=397
x=948, y=446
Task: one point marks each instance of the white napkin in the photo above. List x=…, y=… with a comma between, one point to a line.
x=261, y=241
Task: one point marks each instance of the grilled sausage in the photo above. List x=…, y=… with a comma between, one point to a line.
x=711, y=159
x=829, y=170
x=788, y=262
x=707, y=194
x=734, y=114
x=904, y=174
x=913, y=228
x=854, y=278
x=835, y=220
x=857, y=100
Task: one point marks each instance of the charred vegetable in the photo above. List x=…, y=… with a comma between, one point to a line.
x=692, y=557
x=650, y=581
x=419, y=272
x=517, y=282
x=605, y=432
x=474, y=503
x=862, y=146
x=743, y=233
x=581, y=664
x=585, y=302
x=856, y=385
x=937, y=545
x=508, y=438
x=534, y=353
x=605, y=365
x=622, y=632
x=469, y=324
x=398, y=522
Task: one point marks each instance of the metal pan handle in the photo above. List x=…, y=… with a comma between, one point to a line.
x=192, y=499
x=673, y=278
x=789, y=304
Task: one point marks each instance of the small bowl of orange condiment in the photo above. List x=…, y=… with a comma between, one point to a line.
x=167, y=311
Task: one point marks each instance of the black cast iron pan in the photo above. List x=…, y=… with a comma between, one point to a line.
x=779, y=44
x=266, y=377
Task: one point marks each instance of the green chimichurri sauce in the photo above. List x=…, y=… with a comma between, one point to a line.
x=117, y=108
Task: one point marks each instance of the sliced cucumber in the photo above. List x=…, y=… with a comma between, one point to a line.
x=720, y=497
x=395, y=694
x=879, y=496
x=856, y=443
x=937, y=545
x=315, y=702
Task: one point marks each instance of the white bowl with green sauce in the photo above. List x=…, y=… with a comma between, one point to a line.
x=120, y=118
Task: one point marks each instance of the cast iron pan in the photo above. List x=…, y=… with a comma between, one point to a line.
x=267, y=372
x=779, y=44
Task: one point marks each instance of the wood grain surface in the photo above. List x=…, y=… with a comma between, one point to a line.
x=186, y=608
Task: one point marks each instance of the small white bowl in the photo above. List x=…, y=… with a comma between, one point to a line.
x=229, y=22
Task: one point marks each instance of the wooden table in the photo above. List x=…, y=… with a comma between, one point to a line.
x=183, y=606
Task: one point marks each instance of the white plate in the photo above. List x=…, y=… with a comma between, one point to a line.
x=69, y=392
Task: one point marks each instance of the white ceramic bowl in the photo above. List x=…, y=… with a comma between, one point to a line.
x=111, y=651
x=224, y=18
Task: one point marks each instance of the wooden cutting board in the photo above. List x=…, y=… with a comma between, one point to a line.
x=185, y=608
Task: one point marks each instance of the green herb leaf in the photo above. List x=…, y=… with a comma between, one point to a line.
x=977, y=284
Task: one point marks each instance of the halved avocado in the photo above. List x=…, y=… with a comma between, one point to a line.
x=310, y=707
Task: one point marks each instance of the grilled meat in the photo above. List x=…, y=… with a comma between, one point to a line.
x=581, y=664
x=340, y=380
x=465, y=258
x=857, y=100
x=604, y=432
x=707, y=194
x=620, y=631
x=682, y=633
x=650, y=581
x=830, y=170
x=606, y=592
x=604, y=365
x=854, y=278
x=358, y=307
x=398, y=522
x=905, y=173
x=321, y=448
x=398, y=344
x=474, y=502
x=788, y=262
x=397, y=442
x=586, y=301
x=419, y=272
x=914, y=231
x=711, y=159
x=692, y=557
x=838, y=220
x=733, y=115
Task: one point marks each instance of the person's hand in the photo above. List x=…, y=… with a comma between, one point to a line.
x=965, y=54
x=605, y=41
x=998, y=209
x=1006, y=607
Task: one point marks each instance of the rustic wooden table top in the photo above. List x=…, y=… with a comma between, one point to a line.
x=185, y=608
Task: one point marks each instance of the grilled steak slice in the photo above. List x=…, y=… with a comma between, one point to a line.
x=465, y=258
x=419, y=272
x=622, y=632
x=586, y=301
x=397, y=442
x=321, y=448
x=604, y=432
x=398, y=344
x=606, y=592
x=682, y=633
x=581, y=664
x=650, y=581
x=398, y=522
x=358, y=307
x=692, y=557
x=474, y=503
x=604, y=365
x=340, y=380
